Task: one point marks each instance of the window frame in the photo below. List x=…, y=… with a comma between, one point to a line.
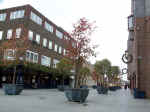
x=9, y=33
x=59, y=34
x=45, y=60
x=1, y=34
x=44, y=42
x=18, y=32
x=17, y=14
x=3, y=16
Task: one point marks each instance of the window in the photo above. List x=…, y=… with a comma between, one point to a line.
x=45, y=60
x=30, y=35
x=55, y=61
x=1, y=35
x=9, y=54
x=3, y=17
x=73, y=44
x=36, y=18
x=31, y=56
x=65, y=37
x=18, y=32
x=44, y=42
x=64, y=51
x=131, y=22
x=60, y=50
x=38, y=38
x=49, y=27
x=17, y=14
x=50, y=45
x=56, y=47
x=59, y=34
x=9, y=34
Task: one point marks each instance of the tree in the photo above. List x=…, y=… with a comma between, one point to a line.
x=79, y=48
x=115, y=71
x=84, y=74
x=103, y=68
x=14, y=48
x=64, y=67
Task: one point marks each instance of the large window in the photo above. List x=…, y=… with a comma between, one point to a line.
x=44, y=42
x=18, y=32
x=38, y=38
x=1, y=35
x=9, y=54
x=36, y=18
x=3, y=17
x=9, y=34
x=64, y=52
x=30, y=35
x=59, y=34
x=17, y=14
x=55, y=61
x=45, y=60
x=73, y=44
x=48, y=27
x=50, y=45
x=31, y=56
x=66, y=37
x=60, y=50
x=131, y=22
x=56, y=47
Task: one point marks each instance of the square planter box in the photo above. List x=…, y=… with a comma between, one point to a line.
x=12, y=89
x=77, y=95
x=138, y=94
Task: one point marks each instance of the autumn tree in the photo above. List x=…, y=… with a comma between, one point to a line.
x=79, y=50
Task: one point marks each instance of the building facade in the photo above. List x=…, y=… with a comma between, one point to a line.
x=47, y=41
x=139, y=45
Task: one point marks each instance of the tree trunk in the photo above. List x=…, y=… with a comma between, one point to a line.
x=63, y=80
x=77, y=69
x=14, y=75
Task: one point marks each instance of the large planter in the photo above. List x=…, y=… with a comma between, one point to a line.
x=138, y=94
x=102, y=90
x=12, y=89
x=62, y=87
x=94, y=87
x=112, y=88
x=77, y=95
x=84, y=86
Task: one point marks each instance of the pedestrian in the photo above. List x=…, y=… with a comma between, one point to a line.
x=125, y=86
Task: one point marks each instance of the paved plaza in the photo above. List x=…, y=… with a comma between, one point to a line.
x=51, y=100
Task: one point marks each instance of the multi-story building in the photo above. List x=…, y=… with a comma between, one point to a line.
x=139, y=45
x=47, y=41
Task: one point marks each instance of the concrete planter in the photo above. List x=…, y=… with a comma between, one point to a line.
x=12, y=89
x=77, y=95
x=112, y=88
x=138, y=94
x=62, y=87
x=84, y=86
x=94, y=86
x=102, y=90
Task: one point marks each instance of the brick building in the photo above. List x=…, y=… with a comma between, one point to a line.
x=139, y=45
x=47, y=41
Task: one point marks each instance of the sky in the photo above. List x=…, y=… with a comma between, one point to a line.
x=110, y=15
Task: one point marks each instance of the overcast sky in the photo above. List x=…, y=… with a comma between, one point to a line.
x=110, y=16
